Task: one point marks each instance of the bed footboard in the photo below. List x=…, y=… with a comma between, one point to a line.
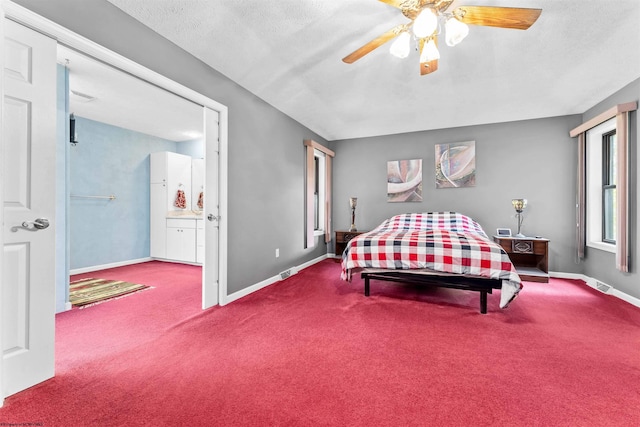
x=482, y=285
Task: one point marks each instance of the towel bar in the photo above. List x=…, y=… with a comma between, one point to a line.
x=111, y=197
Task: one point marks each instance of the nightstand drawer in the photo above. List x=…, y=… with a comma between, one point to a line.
x=342, y=238
x=345, y=237
x=522, y=246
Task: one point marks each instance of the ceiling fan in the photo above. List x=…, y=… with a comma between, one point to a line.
x=427, y=17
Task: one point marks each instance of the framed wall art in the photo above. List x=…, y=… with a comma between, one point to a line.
x=456, y=165
x=404, y=180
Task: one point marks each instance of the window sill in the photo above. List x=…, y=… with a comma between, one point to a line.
x=607, y=247
x=318, y=233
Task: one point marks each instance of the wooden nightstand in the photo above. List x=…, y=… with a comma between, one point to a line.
x=530, y=256
x=342, y=238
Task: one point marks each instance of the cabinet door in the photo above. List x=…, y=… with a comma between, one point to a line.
x=178, y=178
x=189, y=245
x=158, y=167
x=181, y=244
x=157, y=221
x=174, y=244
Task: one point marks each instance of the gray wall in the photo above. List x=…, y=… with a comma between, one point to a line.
x=533, y=159
x=600, y=264
x=266, y=155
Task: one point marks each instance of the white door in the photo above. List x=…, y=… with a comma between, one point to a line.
x=28, y=156
x=211, y=210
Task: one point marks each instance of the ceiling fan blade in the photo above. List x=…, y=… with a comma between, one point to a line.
x=373, y=44
x=429, y=66
x=503, y=17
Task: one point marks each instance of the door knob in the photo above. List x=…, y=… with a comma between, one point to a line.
x=212, y=217
x=37, y=224
x=41, y=223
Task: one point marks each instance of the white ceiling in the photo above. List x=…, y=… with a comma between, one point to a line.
x=288, y=52
x=122, y=100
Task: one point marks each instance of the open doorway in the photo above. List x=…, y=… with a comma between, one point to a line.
x=36, y=133
x=120, y=125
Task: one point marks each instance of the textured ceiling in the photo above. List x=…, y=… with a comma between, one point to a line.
x=288, y=52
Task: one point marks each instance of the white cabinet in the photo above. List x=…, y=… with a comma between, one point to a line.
x=173, y=237
x=158, y=220
x=168, y=172
x=181, y=239
x=173, y=170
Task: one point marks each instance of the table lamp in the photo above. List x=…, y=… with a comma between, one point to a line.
x=519, y=205
x=353, y=201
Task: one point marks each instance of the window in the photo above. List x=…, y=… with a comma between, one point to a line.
x=602, y=208
x=609, y=171
x=601, y=194
x=317, y=192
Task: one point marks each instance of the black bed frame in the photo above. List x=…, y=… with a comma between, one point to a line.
x=482, y=285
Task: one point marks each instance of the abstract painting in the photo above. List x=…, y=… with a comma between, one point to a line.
x=404, y=180
x=456, y=165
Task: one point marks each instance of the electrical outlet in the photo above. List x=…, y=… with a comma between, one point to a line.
x=277, y=252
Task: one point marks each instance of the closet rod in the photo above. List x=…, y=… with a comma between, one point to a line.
x=111, y=197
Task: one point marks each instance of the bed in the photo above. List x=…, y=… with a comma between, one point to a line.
x=444, y=249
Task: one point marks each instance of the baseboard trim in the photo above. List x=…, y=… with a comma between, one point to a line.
x=256, y=287
x=107, y=266
x=589, y=281
x=592, y=283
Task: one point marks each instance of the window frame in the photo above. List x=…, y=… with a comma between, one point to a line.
x=609, y=155
x=314, y=151
x=621, y=112
x=320, y=189
x=595, y=170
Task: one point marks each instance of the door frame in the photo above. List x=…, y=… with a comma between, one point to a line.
x=75, y=41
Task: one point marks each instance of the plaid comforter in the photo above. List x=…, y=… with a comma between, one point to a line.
x=446, y=242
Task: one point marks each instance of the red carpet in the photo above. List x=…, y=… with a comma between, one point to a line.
x=313, y=351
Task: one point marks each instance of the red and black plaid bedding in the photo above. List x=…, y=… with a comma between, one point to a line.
x=447, y=242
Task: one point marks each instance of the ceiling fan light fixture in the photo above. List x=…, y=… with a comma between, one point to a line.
x=401, y=46
x=430, y=19
x=430, y=52
x=456, y=31
x=425, y=23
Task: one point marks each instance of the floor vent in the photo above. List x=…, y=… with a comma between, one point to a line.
x=603, y=287
x=285, y=274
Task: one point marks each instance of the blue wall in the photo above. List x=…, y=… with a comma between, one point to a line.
x=193, y=148
x=110, y=160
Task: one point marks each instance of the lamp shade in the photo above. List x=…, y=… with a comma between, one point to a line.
x=519, y=204
x=456, y=31
x=425, y=23
x=401, y=46
x=429, y=52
